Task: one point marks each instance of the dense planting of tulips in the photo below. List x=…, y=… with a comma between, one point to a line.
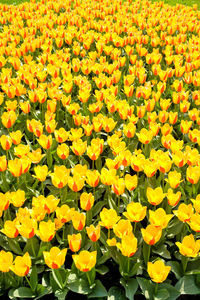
x=99, y=149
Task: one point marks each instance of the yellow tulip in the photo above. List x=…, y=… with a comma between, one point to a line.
x=158, y=271
x=55, y=258
x=85, y=260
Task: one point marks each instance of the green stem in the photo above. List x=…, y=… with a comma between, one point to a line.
x=156, y=288
x=109, y=233
x=128, y=264
x=184, y=263
x=148, y=253
x=134, y=229
x=95, y=246
x=28, y=281
x=118, y=202
x=60, y=193
x=94, y=192
x=7, y=155
x=88, y=277
x=32, y=246
x=194, y=190
x=42, y=188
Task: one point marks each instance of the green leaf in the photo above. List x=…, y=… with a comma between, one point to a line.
x=186, y=285
x=147, y=287
x=32, y=246
x=162, y=294
x=3, y=242
x=97, y=207
x=130, y=286
x=116, y=293
x=79, y=286
x=42, y=291
x=49, y=159
x=10, y=294
x=162, y=251
x=174, y=228
x=23, y=292
x=98, y=164
x=134, y=270
x=98, y=291
x=175, y=268
x=58, y=277
x=106, y=255
x=173, y=293
x=14, y=246
x=61, y=294
x=193, y=267
x=102, y=269
x=112, y=203
x=146, y=251
x=34, y=278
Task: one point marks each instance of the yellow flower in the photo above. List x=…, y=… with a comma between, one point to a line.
x=93, y=232
x=79, y=147
x=123, y=227
x=196, y=203
x=184, y=212
x=85, y=260
x=145, y=136
x=55, y=258
x=108, y=176
x=51, y=203
x=131, y=182
x=78, y=220
x=155, y=196
x=118, y=186
x=159, y=218
x=36, y=156
x=111, y=242
x=41, y=172
x=3, y=163
x=173, y=198
x=21, y=265
x=86, y=201
x=135, y=212
x=47, y=231
x=158, y=271
x=6, y=260
x=189, y=247
x=8, y=118
x=10, y=229
x=193, y=174
x=151, y=234
x=16, y=137
x=63, y=151
x=64, y=213
x=60, y=176
x=27, y=228
x=74, y=241
x=195, y=222
x=108, y=218
x=45, y=141
x=92, y=178
x=17, y=198
x=76, y=183
x=128, y=245
x=6, y=142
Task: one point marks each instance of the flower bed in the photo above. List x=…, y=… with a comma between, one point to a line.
x=99, y=156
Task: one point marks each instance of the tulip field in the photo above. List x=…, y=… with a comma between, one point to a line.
x=99, y=150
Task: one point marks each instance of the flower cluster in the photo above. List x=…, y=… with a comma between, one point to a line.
x=99, y=140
